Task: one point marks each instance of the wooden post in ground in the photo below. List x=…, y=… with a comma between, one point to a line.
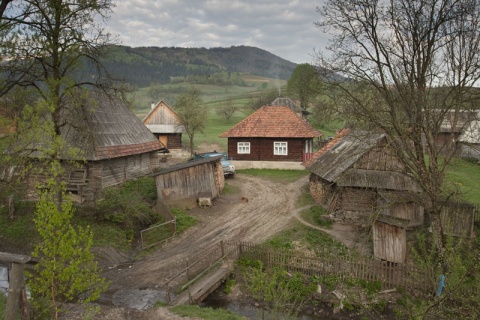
x=12, y=307
x=16, y=288
x=11, y=207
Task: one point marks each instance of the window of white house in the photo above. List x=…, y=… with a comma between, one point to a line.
x=243, y=147
x=280, y=148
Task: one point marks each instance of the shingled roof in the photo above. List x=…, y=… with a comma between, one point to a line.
x=334, y=161
x=338, y=136
x=102, y=127
x=272, y=122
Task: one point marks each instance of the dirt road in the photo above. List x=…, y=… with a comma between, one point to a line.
x=270, y=209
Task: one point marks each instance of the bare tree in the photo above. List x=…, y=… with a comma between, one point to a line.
x=227, y=109
x=410, y=69
x=193, y=115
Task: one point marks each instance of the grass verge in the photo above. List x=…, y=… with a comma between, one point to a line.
x=205, y=313
x=276, y=175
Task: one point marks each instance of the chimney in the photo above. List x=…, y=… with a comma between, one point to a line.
x=152, y=105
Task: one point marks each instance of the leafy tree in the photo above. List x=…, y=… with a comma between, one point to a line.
x=407, y=68
x=67, y=270
x=51, y=44
x=193, y=116
x=227, y=109
x=304, y=84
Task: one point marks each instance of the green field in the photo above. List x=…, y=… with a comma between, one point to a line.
x=212, y=97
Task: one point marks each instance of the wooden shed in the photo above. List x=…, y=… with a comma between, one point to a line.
x=390, y=238
x=165, y=124
x=182, y=184
x=348, y=173
x=111, y=146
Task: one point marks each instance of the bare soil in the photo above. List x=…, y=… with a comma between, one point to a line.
x=271, y=208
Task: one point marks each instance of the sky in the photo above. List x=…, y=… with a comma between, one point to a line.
x=282, y=27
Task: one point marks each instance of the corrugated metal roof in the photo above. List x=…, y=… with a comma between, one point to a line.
x=336, y=160
x=103, y=127
x=272, y=122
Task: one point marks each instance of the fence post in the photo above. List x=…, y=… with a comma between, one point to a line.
x=222, y=248
x=188, y=273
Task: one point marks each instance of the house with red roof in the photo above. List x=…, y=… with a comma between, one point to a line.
x=272, y=133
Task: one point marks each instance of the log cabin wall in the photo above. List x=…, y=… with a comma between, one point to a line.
x=261, y=149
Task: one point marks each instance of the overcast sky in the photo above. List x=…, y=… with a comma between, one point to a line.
x=283, y=27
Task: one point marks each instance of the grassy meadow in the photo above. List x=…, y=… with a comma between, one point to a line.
x=213, y=97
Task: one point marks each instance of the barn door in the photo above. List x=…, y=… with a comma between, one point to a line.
x=164, y=141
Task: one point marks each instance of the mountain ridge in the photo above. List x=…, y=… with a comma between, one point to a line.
x=142, y=66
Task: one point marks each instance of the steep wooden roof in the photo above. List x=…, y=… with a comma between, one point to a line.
x=101, y=127
x=338, y=136
x=163, y=119
x=333, y=161
x=272, y=122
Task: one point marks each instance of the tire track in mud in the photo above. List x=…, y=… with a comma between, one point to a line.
x=270, y=209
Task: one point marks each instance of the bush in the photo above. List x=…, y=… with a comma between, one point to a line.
x=131, y=205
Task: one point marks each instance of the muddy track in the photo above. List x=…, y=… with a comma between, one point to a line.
x=270, y=209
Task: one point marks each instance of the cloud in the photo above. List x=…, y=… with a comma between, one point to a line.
x=282, y=27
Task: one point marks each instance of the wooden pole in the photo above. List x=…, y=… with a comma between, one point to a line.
x=11, y=207
x=14, y=291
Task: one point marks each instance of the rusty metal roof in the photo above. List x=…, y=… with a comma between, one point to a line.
x=272, y=122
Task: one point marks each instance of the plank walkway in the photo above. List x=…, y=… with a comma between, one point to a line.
x=206, y=285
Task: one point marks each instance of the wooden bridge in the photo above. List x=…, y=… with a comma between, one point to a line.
x=206, y=285
x=203, y=273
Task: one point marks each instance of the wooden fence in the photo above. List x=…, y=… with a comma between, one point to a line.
x=158, y=233
x=341, y=265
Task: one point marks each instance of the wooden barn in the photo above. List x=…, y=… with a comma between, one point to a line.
x=402, y=204
x=390, y=238
x=165, y=124
x=111, y=146
x=348, y=173
x=181, y=185
x=272, y=133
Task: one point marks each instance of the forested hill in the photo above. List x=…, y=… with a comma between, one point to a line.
x=143, y=66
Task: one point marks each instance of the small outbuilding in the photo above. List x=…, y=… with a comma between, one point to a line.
x=165, y=124
x=183, y=184
x=349, y=175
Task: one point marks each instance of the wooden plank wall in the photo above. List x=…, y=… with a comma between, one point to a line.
x=261, y=149
x=181, y=187
x=389, y=242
